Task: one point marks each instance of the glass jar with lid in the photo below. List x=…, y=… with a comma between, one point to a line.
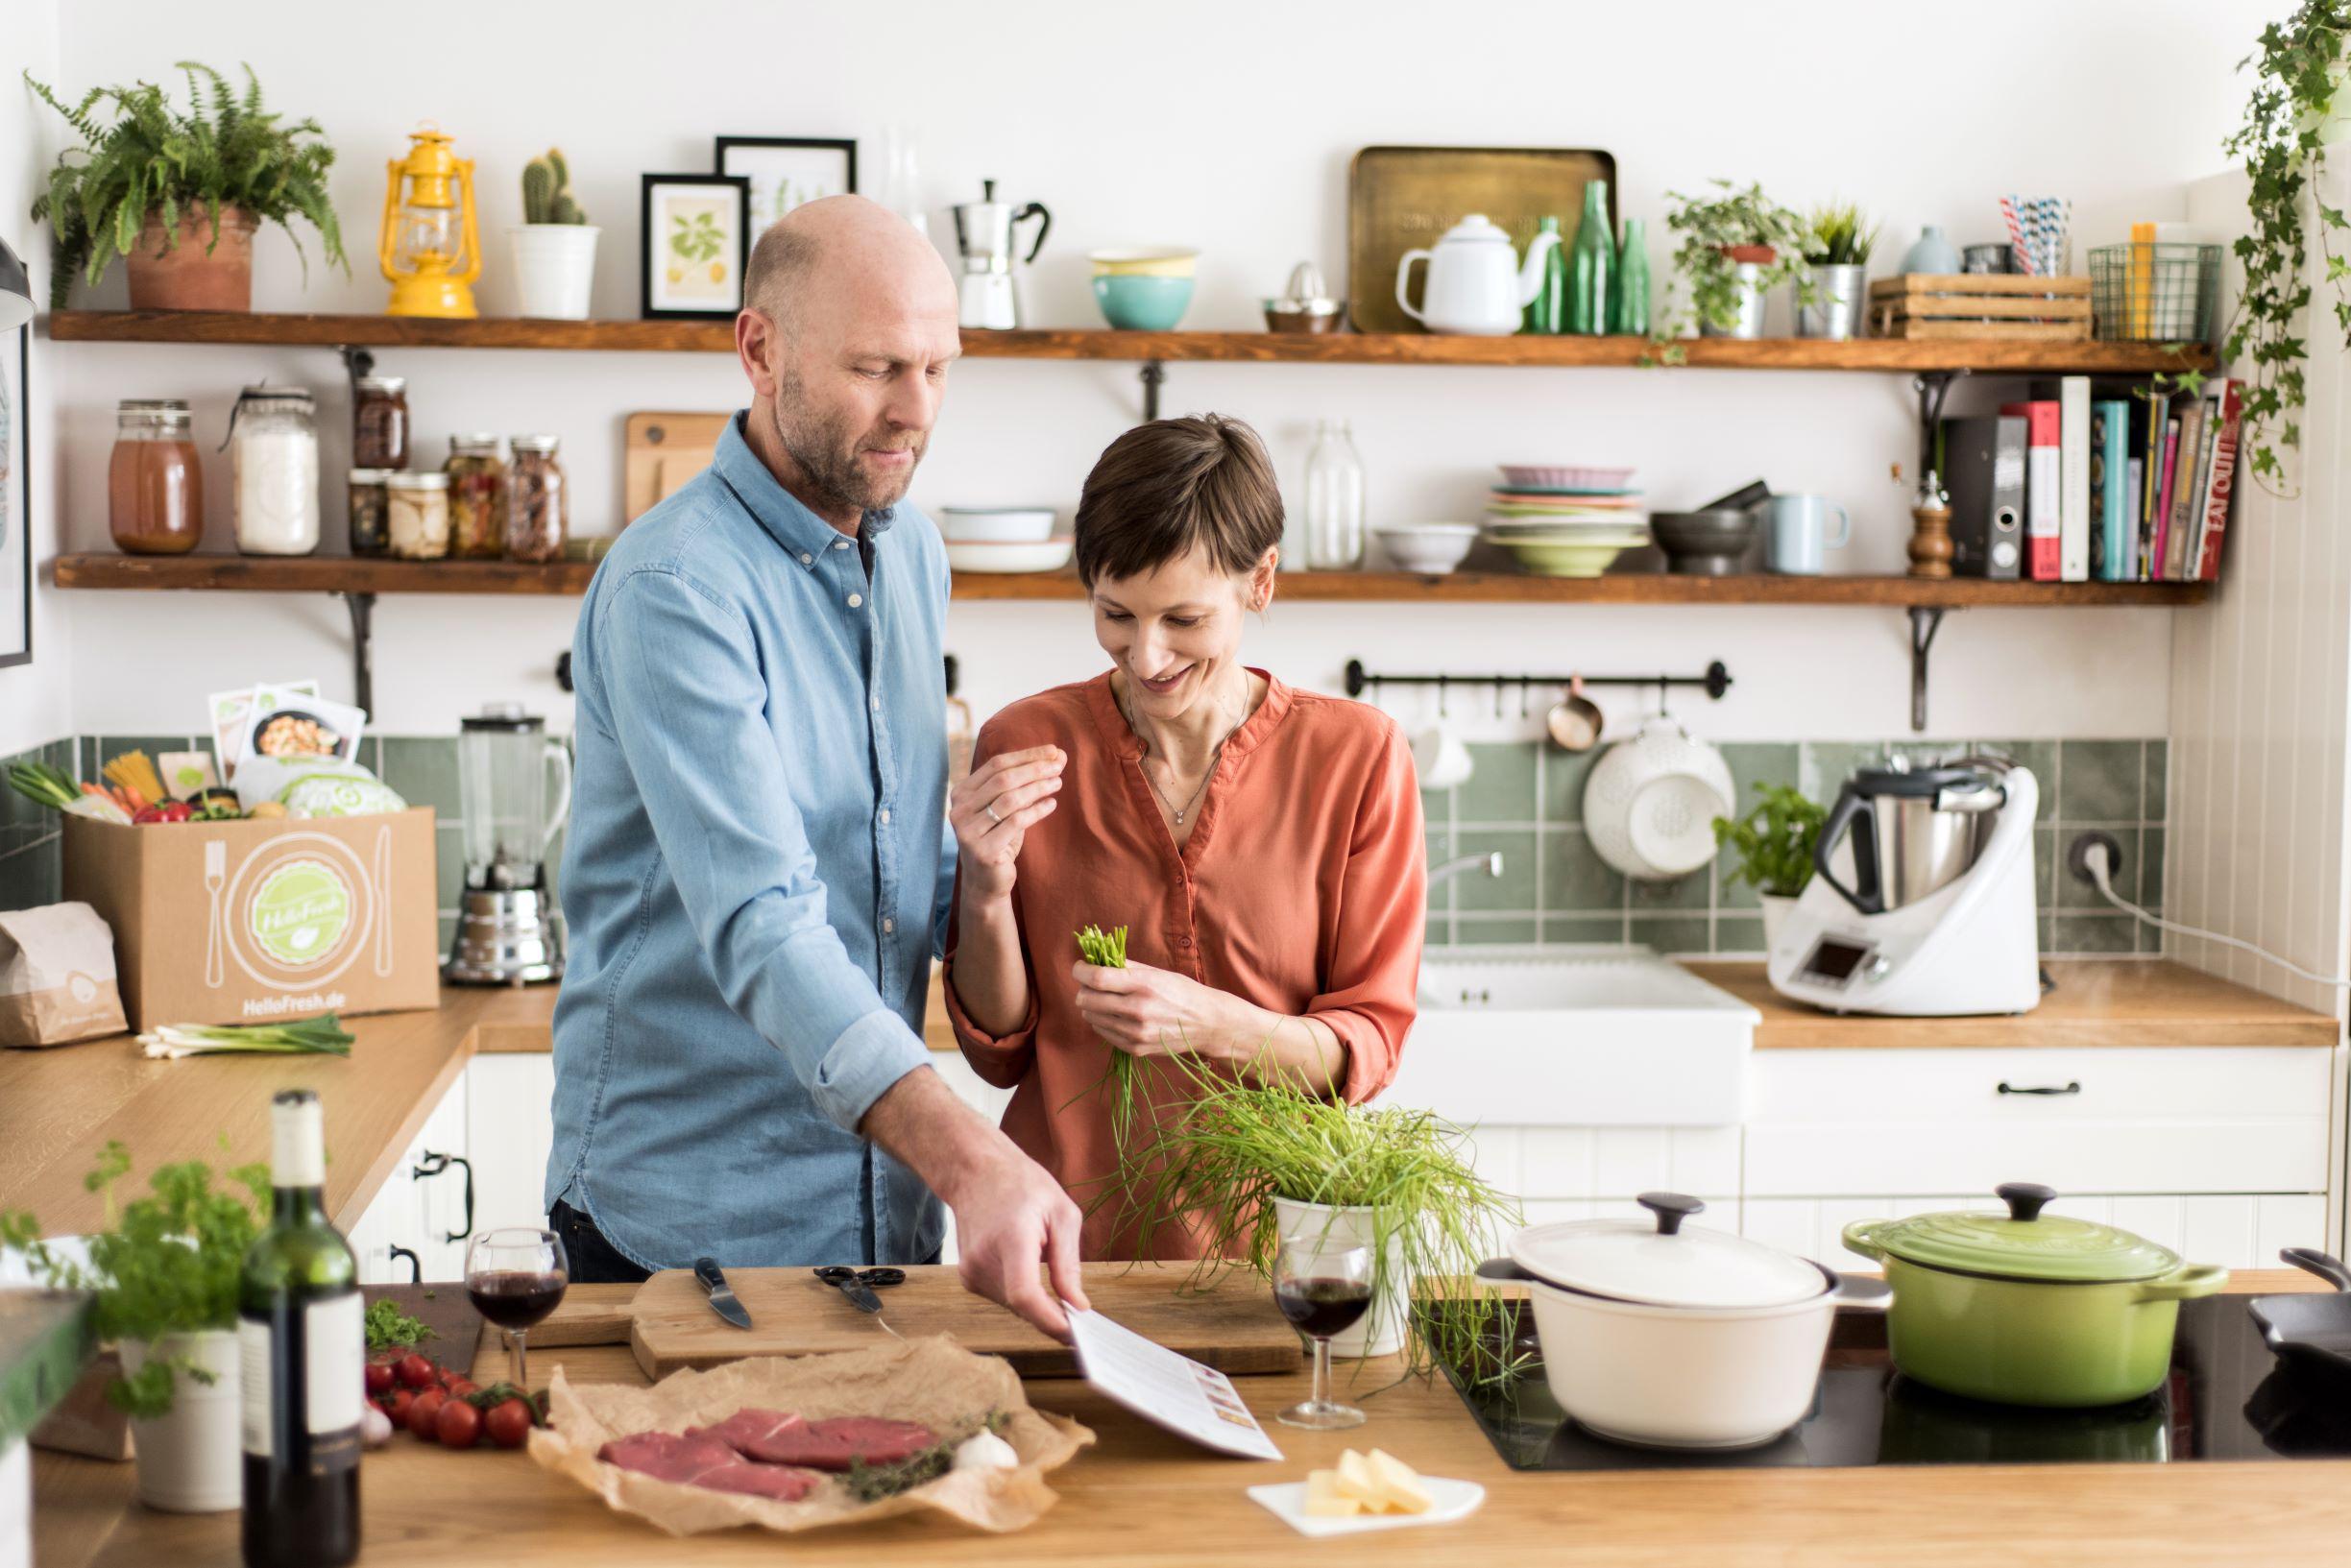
x=154, y=481
x=535, y=501
x=370, y=509
x=380, y=422
x=417, y=513
x=477, y=498
x=273, y=464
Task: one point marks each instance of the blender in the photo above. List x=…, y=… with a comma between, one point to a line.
x=514, y=787
x=988, y=296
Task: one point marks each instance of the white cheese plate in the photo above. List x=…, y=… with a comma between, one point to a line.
x=1287, y=1501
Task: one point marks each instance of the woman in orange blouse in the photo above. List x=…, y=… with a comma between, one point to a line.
x=1262, y=846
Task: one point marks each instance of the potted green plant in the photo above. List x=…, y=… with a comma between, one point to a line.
x=1837, y=244
x=1775, y=843
x=1248, y=1164
x=163, y=1280
x=1736, y=247
x=554, y=245
x=179, y=193
x=2298, y=69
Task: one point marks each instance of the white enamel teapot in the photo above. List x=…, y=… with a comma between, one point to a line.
x=1475, y=283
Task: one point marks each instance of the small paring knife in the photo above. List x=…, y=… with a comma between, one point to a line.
x=721, y=1295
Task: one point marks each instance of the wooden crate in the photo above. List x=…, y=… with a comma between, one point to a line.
x=1980, y=305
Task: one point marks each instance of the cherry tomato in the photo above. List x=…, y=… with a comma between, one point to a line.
x=458, y=1424
x=397, y=1406
x=459, y=1386
x=424, y=1413
x=416, y=1371
x=380, y=1377
x=509, y=1423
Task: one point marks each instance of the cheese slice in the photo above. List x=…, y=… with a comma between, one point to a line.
x=1355, y=1479
x=1402, y=1490
x=1324, y=1500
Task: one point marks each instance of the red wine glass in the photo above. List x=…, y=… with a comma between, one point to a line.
x=1323, y=1286
x=515, y=1278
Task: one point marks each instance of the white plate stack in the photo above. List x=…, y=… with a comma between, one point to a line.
x=1003, y=538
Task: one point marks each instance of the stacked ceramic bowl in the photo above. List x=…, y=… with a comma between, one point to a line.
x=1143, y=291
x=1565, y=520
x=1003, y=538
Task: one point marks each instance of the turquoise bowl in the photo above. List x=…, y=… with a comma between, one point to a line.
x=1143, y=304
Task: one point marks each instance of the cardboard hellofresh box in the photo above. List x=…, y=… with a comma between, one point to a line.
x=250, y=921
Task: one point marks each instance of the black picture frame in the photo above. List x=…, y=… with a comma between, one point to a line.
x=761, y=216
x=16, y=492
x=651, y=248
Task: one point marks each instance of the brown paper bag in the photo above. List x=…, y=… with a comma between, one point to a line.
x=57, y=976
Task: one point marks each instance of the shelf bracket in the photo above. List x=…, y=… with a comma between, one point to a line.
x=357, y=363
x=1153, y=376
x=1931, y=387
x=362, y=608
x=1925, y=620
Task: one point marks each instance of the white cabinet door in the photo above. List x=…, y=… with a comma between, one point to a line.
x=510, y=1122
x=414, y=1213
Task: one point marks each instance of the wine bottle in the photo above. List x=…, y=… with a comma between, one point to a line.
x=302, y=1345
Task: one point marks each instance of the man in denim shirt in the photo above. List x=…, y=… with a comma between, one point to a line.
x=756, y=876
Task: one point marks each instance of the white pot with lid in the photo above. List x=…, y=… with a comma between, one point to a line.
x=1674, y=1336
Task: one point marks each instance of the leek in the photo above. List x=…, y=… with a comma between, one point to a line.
x=322, y=1035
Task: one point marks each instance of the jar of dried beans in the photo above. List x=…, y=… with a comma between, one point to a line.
x=535, y=501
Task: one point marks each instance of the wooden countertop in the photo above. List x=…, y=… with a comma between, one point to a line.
x=1141, y=1496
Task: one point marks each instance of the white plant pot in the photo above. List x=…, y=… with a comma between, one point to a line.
x=554, y=265
x=1381, y=1330
x=191, y=1459
x=1776, y=906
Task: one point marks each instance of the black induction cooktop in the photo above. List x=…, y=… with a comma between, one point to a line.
x=2227, y=1398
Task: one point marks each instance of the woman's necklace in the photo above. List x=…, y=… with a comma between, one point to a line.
x=1214, y=757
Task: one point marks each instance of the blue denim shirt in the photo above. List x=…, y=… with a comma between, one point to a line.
x=754, y=880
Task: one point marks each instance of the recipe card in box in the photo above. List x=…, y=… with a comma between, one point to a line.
x=256, y=922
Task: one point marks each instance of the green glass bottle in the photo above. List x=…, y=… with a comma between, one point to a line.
x=1629, y=283
x=1548, y=310
x=1589, y=269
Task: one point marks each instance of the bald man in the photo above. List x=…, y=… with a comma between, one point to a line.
x=757, y=875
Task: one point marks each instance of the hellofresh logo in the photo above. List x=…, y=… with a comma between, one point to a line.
x=299, y=912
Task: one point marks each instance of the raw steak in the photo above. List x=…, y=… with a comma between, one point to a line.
x=780, y=1437
x=707, y=1462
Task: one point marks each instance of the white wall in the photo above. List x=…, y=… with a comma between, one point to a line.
x=1138, y=125
x=36, y=699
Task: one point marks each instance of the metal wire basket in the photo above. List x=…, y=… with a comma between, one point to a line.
x=2154, y=291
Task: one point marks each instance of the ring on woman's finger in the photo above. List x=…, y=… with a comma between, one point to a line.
x=990, y=810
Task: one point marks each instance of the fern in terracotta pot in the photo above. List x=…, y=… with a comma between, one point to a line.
x=178, y=193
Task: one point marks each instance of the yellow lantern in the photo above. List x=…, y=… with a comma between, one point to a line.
x=428, y=229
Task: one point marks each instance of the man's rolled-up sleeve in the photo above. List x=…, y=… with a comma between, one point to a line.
x=688, y=701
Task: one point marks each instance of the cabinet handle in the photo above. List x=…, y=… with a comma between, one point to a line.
x=416, y=1268
x=433, y=1165
x=2007, y=1088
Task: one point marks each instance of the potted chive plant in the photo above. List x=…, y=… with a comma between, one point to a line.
x=164, y=1282
x=1736, y=248
x=1837, y=249
x=554, y=245
x=178, y=193
x=1775, y=843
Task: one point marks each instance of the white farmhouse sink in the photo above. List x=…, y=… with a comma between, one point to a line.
x=1574, y=1036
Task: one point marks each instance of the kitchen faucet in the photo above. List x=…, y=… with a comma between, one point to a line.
x=1491, y=864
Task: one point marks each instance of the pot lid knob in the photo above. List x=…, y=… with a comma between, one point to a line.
x=1672, y=1207
x=2025, y=1199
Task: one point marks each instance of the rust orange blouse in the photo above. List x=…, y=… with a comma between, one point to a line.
x=1303, y=888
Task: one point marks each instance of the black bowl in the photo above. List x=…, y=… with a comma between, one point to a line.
x=1708, y=544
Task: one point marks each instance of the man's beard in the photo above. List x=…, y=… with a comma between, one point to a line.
x=826, y=453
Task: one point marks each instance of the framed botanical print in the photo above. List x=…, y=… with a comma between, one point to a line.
x=696, y=238
x=786, y=171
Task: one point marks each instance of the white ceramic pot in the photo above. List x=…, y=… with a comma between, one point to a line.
x=1381, y=1332
x=1774, y=911
x=554, y=266
x=191, y=1460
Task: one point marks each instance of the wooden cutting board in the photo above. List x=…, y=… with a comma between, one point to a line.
x=442, y=1305
x=663, y=451
x=1235, y=1326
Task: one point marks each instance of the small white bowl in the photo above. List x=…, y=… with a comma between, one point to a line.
x=996, y=524
x=987, y=555
x=1429, y=548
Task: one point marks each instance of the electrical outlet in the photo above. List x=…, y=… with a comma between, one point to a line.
x=2077, y=858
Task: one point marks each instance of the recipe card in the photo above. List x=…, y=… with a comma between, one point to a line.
x=1172, y=1390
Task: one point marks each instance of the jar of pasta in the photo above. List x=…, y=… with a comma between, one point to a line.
x=417, y=513
x=477, y=498
x=155, y=483
x=535, y=501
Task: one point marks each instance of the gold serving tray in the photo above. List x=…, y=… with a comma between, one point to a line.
x=1402, y=199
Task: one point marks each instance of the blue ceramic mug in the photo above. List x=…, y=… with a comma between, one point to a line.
x=1796, y=533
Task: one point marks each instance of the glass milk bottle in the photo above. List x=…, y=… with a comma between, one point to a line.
x=273, y=464
x=1334, y=500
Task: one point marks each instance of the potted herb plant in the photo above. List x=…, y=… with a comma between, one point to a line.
x=1736, y=247
x=1837, y=245
x=554, y=246
x=1775, y=843
x=163, y=1280
x=179, y=193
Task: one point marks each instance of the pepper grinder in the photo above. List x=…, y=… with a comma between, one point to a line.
x=1931, y=540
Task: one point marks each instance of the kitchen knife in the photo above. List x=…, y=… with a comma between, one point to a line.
x=721, y=1295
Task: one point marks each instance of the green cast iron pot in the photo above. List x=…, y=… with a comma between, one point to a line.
x=2022, y=1309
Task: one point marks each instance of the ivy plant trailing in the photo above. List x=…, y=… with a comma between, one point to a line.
x=2300, y=63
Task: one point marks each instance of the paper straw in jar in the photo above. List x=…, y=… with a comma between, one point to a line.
x=2016, y=234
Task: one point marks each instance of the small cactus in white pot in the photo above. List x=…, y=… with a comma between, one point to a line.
x=554, y=246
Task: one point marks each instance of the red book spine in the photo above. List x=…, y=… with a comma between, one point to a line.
x=2223, y=480
x=2044, y=559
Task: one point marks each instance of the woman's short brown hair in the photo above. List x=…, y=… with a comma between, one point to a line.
x=1170, y=487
